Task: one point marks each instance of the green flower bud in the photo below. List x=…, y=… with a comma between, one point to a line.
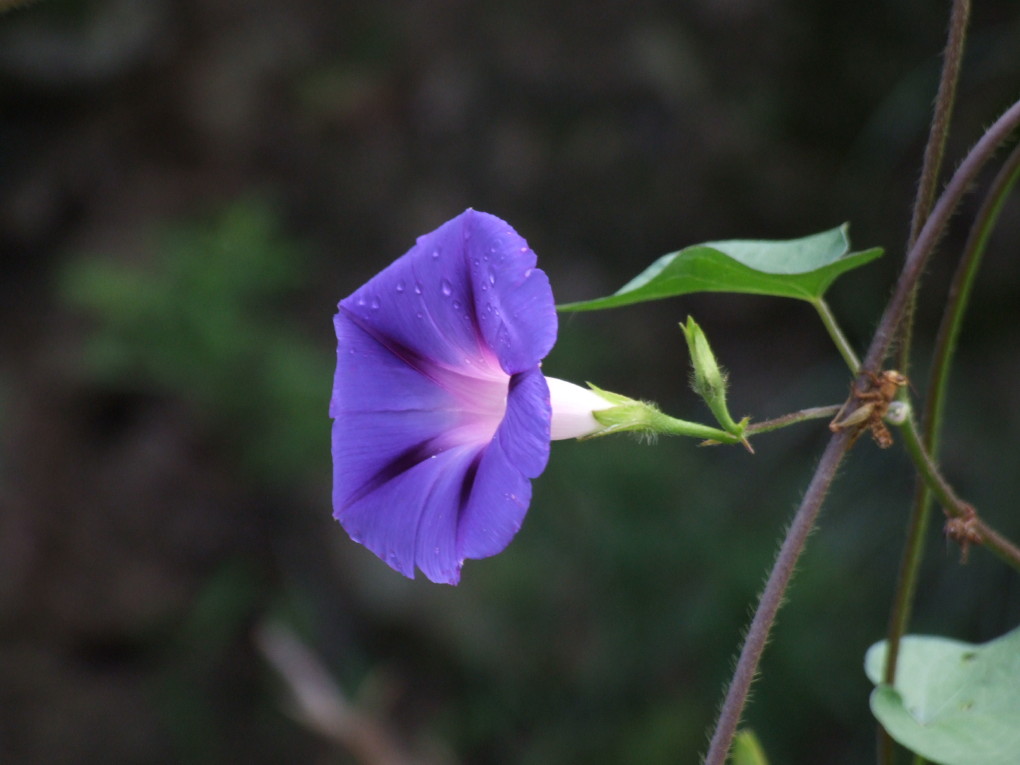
x=709, y=379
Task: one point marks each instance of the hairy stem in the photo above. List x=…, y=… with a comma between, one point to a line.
x=944, y=100
x=934, y=151
x=813, y=413
x=917, y=256
x=772, y=598
x=945, y=345
x=779, y=577
x=832, y=327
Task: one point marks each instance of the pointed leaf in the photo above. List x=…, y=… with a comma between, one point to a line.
x=954, y=703
x=797, y=268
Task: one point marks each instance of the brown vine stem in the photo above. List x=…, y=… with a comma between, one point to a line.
x=944, y=100
x=917, y=256
x=934, y=151
x=945, y=345
x=811, y=504
x=772, y=598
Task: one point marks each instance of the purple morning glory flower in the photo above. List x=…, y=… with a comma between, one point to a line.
x=441, y=413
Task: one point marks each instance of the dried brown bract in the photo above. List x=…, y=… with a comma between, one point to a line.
x=963, y=530
x=868, y=404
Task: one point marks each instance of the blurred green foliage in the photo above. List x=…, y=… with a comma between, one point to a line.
x=204, y=321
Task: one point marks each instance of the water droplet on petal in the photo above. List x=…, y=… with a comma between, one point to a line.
x=446, y=287
x=374, y=305
x=435, y=254
x=420, y=315
x=417, y=288
x=492, y=277
x=400, y=286
x=456, y=305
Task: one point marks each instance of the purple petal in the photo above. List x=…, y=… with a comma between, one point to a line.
x=513, y=299
x=441, y=414
x=501, y=491
x=423, y=302
x=369, y=450
x=524, y=433
x=374, y=377
x=497, y=506
x=412, y=518
x=468, y=285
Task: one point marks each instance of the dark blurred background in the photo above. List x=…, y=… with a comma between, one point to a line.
x=187, y=189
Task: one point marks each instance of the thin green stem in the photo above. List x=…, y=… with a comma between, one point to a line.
x=814, y=413
x=945, y=345
x=959, y=293
x=1005, y=549
x=832, y=327
x=665, y=425
x=927, y=469
x=955, y=507
x=906, y=583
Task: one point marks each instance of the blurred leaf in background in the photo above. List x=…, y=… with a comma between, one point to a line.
x=205, y=321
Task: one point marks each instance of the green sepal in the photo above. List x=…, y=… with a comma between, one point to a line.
x=642, y=417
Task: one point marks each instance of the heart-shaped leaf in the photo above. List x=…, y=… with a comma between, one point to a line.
x=954, y=703
x=797, y=268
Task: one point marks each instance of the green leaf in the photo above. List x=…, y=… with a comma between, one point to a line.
x=797, y=268
x=954, y=703
x=747, y=750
